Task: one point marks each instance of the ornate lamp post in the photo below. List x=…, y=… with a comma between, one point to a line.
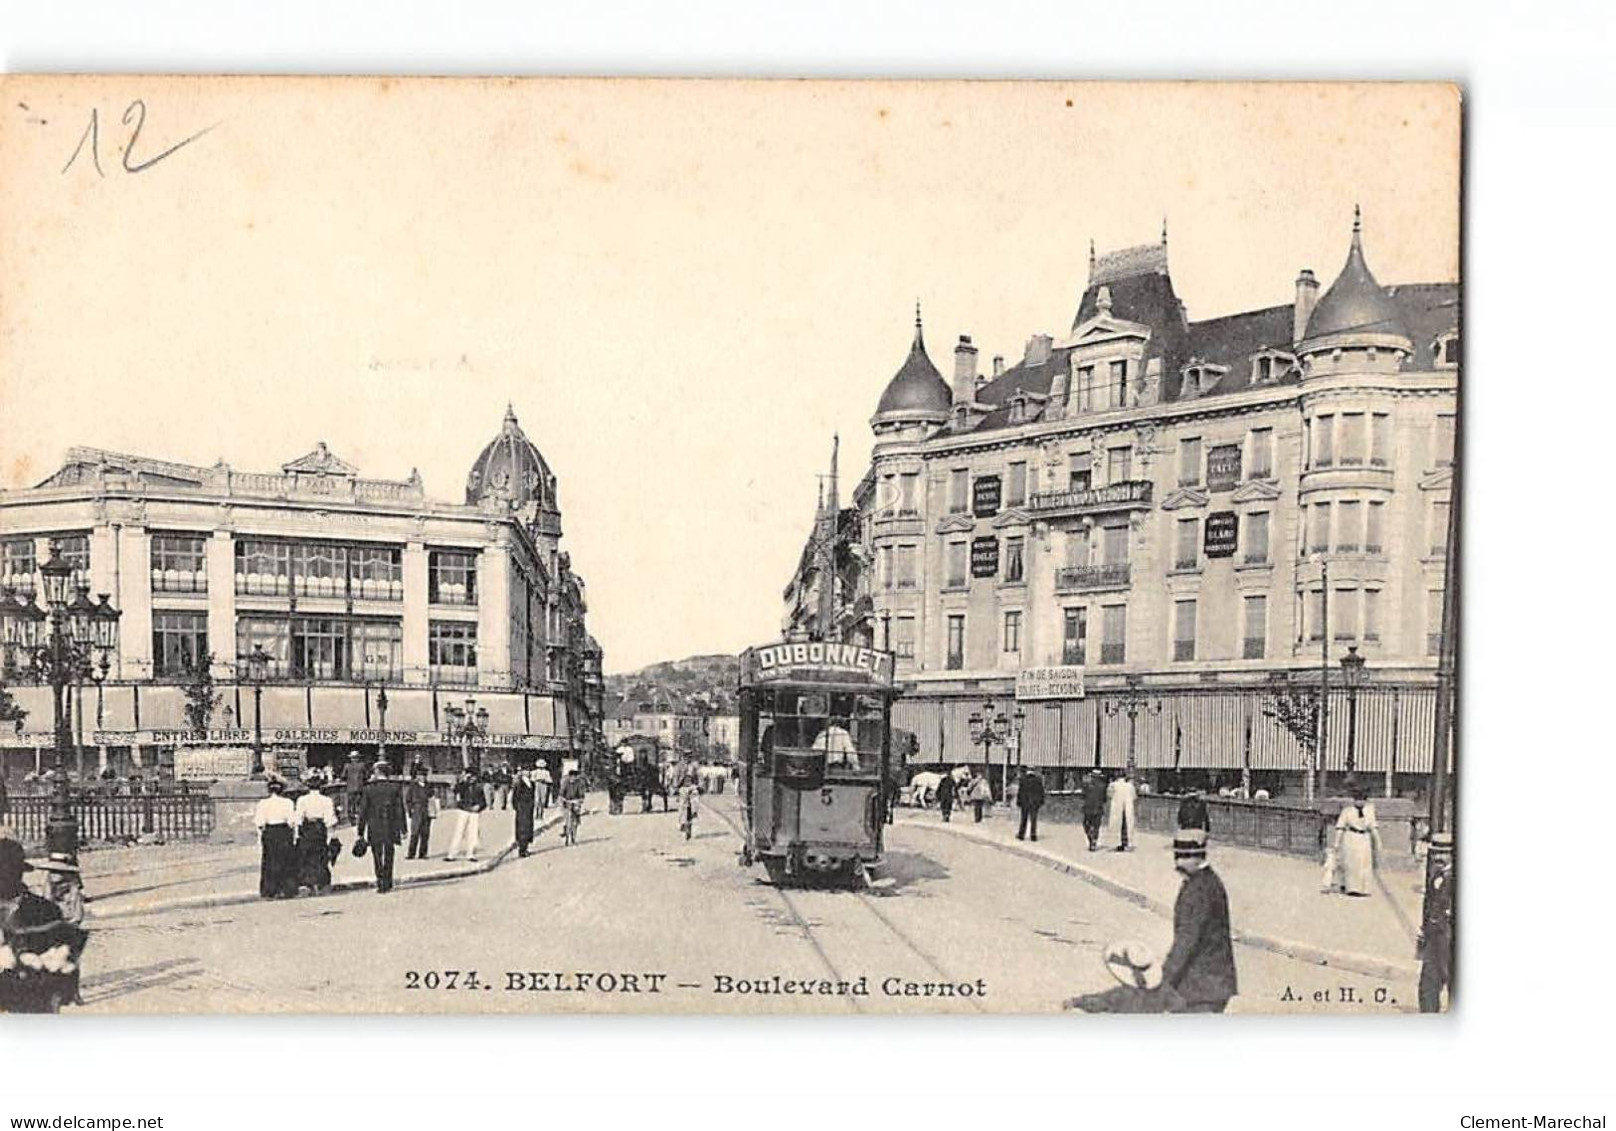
x=381, y=711
x=1352, y=674
x=257, y=672
x=78, y=629
x=1131, y=702
x=990, y=725
x=466, y=723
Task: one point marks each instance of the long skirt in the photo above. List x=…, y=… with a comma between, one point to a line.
x=1356, y=861
x=277, y=872
x=315, y=863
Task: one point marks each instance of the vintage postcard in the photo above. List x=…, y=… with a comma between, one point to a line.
x=630, y=546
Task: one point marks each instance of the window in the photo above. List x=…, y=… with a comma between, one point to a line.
x=956, y=642
x=18, y=565
x=1262, y=453
x=1353, y=439
x=956, y=564
x=1255, y=645
x=179, y=563
x=1447, y=349
x=179, y=643
x=1075, y=636
x=1257, y=538
x=451, y=651
x=1348, y=526
x=1318, y=539
x=1119, y=383
x=1443, y=456
x=1265, y=369
x=1116, y=543
x=263, y=568
x=1187, y=555
x=1017, y=492
x=1085, y=388
x=273, y=635
x=904, y=643
x=1113, y=640
x=886, y=632
x=1433, y=622
x=908, y=492
x=1077, y=547
x=319, y=647
x=1119, y=465
x=1315, y=614
x=1376, y=523
x=1439, y=528
x=1014, y=558
x=1371, y=614
x=75, y=551
x=318, y=570
x=1189, y=462
x=1184, y=630
x=1346, y=604
x=959, y=491
x=1012, y=632
x=1380, y=439
x=1079, y=471
x=376, y=573
x=887, y=577
x=377, y=650
x=452, y=577
x=906, y=567
x=1324, y=441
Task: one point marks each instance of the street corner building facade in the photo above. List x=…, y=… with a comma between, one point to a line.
x=381, y=620
x=1152, y=539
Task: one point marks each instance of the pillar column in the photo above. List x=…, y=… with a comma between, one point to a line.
x=222, y=604
x=133, y=599
x=416, y=613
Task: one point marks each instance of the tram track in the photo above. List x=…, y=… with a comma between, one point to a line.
x=806, y=928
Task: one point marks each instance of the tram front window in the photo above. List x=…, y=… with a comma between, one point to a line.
x=845, y=729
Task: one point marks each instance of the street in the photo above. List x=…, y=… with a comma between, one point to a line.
x=634, y=918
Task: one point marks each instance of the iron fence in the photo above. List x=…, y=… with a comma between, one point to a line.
x=171, y=816
x=1269, y=825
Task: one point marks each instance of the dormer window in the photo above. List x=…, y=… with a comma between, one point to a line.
x=1200, y=376
x=1085, y=388
x=1445, y=350
x=1269, y=366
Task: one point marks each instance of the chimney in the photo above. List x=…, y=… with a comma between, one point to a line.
x=998, y=365
x=1307, y=297
x=964, y=371
x=1038, y=347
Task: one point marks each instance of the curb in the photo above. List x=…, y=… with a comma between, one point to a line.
x=1366, y=964
x=250, y=895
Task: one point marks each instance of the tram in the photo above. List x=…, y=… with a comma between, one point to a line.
x=816, y=756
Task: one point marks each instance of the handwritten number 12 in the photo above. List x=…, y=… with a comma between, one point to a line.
x=134, y=116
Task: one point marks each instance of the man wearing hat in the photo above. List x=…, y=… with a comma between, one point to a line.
x=354, y=776
x=381, y=823
x=1093, y=807
x=276, y=817
x=1198, y=975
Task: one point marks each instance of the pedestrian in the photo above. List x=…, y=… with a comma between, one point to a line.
x=1198, y=975
x=316, y=817
x=43, y=946
x=1434, y=947
x=945, y=795
x=1357, y=843
x=1094, y=797
x=420, y=806
x=614, y=793
x=1193, y=814
x=1122, y=796
x=490, y=791
x=1029, y=799
x=521, y=797
x=354, y=775
x=980, y=794
x=381, y=823
x=275, y=817
x=470, y=801
x=544, y=789
x=502, y=785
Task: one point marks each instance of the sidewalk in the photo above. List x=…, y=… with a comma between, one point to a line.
x=145, y=880
x=1274, y=900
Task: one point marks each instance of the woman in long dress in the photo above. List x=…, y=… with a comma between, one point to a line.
x=1357, y=843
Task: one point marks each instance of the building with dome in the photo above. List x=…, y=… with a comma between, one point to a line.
x=387, y=617
x=1145, y=531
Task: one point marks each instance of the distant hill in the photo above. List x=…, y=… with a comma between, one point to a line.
x=694, y=685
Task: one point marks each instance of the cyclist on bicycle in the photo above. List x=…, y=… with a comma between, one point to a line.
x=687, y=780
x=572, y=800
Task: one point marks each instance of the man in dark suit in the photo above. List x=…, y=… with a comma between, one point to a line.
x=1030, y=799
x=1093, y=807
x=381, y=823
x=1198, y=975
x=354, y=776
x=418, y=807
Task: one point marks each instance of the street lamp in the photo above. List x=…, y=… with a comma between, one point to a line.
x=381, y=710
x=1134, y=699
x=257, y=672
x=1352, y=673
x=78, y=630
x=990, y=725
x=466, y=723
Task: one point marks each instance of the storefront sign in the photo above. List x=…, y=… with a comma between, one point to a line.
x=811, y=661
x=1222, y=534
x=328, y=735
x=1223, y=467
x=985, y=495
x=1061, y=682
x=985, y=557
x=209, y=763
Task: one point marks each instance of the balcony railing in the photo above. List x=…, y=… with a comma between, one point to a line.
x=1092, y=577
x=1128, y=494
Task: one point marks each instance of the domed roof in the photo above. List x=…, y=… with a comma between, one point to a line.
x=917, y=387
x=512, y=470
x=1355, y=302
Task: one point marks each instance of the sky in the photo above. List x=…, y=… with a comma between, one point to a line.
x=684, y=289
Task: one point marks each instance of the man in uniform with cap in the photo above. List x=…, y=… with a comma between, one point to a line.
x=1093, y=807
x=381, y=823
x=276, y=817
x=1198, y=975
x=353, y=776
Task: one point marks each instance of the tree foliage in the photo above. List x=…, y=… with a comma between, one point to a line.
x=200, y=695
x=1296, y=708
x=10, y=713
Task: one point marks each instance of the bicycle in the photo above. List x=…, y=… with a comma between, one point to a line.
x=687, y=810
x=569, y=825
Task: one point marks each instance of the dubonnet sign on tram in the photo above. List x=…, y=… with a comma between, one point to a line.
x=818, y=660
